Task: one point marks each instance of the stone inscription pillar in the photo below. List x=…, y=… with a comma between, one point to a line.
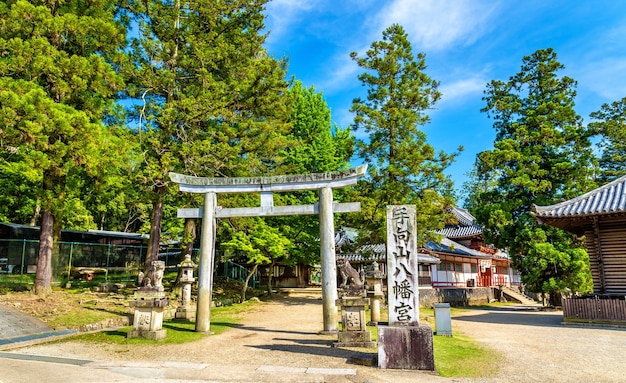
x=205, y=269
x=329, y=264
x=402, y=272
x=404, y=343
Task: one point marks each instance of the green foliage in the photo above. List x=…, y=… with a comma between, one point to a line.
x=260, y=243
x=318, y=145
x=542, y=155
x=610, y=124
x=209, y=100
x=57, y=87
x=402, y=167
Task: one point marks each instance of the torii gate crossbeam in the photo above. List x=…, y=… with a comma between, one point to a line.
x=323, y=182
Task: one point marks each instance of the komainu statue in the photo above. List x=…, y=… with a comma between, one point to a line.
x=349, y=276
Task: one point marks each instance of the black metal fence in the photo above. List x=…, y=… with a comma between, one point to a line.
x=86, y=262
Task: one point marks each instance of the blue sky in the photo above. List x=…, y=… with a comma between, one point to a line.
x=467, y=44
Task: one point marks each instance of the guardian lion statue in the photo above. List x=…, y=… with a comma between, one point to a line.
x=349, y=275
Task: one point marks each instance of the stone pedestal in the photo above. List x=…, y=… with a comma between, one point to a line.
x=149, y=304
x=148, y=317
x=406, y=347
x=353, y=332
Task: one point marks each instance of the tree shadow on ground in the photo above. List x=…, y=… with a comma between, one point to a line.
x=512, y=316
x=321, y=350
x=263, y=329
x=321, y=342
x=292, y=301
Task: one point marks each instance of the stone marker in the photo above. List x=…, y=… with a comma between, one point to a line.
x=443, y=321
x=404, y=343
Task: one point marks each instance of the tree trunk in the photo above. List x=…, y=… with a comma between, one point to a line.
x=43, y=277
x=245, y=284
x=269, y=278
x=35, y=217
x=155, y=234
x=189, y=237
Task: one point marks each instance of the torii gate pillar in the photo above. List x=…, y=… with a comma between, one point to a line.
x=329, y=263
x=323, y=182
x=205, y=268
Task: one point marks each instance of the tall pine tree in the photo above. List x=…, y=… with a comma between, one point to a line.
x=402, y=167
x=542, y=155
x=210, y=98
x=56, y=87
x=610, y=125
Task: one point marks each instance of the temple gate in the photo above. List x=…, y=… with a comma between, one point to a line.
x=323, y=182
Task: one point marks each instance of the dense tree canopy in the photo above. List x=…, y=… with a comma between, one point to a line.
x=210, y=98
x=542, y=155
x=402, y=167
x=317, y=147
x=57, y=88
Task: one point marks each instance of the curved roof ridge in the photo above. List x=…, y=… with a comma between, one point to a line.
x=607, y=198
x=463, y=215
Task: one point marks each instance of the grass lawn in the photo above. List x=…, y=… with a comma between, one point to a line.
x=222, y=318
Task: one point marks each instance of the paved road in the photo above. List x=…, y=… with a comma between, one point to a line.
x=16, y=327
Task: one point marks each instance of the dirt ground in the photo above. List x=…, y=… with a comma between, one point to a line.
x=534, y=346
x=60, y=302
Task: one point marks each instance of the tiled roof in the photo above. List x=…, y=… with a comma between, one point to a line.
x=461, y=231
x=382, y=257
x=466, y=228
x=464, y=216
x=377, y=252
x=608, y=199
x=448, y=246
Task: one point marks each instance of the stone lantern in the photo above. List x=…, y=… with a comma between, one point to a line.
x=374, y=282
x=185, y=311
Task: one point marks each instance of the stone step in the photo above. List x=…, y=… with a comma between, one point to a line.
x=515, y=295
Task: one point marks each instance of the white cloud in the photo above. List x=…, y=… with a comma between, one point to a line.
x=282, y=14
x=604, y=77
x=341, y=70
x=437, y=24
x=462, y=88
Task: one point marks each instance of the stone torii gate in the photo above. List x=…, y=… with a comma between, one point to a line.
x=323, y=182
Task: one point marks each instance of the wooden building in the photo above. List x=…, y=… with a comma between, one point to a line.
x=466, y=260
x=600, y=216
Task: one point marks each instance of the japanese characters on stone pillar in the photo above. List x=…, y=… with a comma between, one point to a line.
x=402, y=289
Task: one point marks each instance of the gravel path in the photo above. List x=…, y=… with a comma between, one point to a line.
x=536, y=347
x=533, y=344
